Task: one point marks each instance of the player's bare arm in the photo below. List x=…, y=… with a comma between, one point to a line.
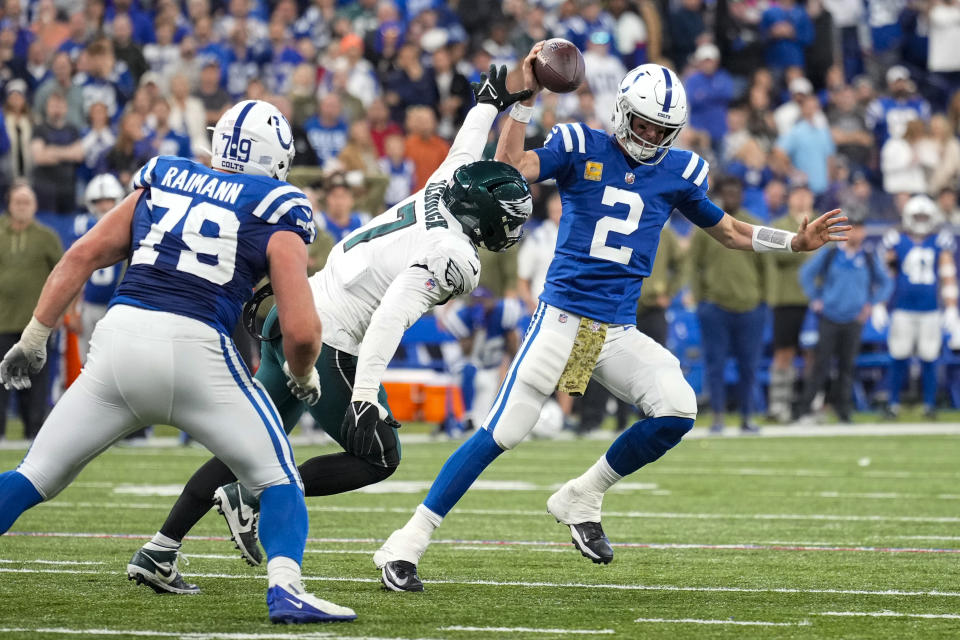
x=104, y=245
x=736, y=234
x=298, y=318
x=513, y=129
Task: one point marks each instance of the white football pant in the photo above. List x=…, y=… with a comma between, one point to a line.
x=632, y=366
x=151, y=367
x=915, y=333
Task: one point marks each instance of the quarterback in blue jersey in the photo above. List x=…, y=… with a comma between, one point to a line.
x=926, y=282
x=617, y=192
x=198, y=240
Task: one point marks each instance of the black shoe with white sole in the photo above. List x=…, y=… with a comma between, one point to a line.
x=592, y=542
x=158, y=570
x=241, y=510
x=400, y=575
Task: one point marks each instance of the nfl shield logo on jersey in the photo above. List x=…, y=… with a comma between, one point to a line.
x=562, y=318
x=629, y=178
x=430, y=284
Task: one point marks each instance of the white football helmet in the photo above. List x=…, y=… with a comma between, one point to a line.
x=103, y=187
x=253, y=137
x=655, y=94
x=921, y=216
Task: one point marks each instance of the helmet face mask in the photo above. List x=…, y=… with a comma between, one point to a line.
x=104, y=187
x=491, y=200
x=655, y=95
x=921, y=216
x=253, y=137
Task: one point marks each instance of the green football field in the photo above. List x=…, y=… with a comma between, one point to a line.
x=735, y=537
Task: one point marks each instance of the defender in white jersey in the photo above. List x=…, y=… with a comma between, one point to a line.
x=197, y=239
x=377, y=281
x=617, y=192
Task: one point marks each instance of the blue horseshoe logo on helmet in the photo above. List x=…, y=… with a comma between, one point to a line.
x=276, y=122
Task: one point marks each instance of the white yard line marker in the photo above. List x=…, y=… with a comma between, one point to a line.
x=889, y=614
x=195, y=635
x=505, y=545
x=529, y=630
x=556, y=585
x=741, y=623
x=54, y=562
x=645, y=515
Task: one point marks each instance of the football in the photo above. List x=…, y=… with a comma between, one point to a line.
x=559, y=66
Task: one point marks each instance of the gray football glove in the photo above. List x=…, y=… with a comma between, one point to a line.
x=19, y=364
x=305, y=388
x=360, y=424
x=492, y=89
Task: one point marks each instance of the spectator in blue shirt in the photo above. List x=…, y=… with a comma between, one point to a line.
x=809, y=145
x=788, y=31
x=709, y=92
x=843, y=283
x=338, y=217
x=410, y=84
x=327, y=130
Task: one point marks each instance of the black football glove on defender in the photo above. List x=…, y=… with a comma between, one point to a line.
x=360, y=426
x=492, y=89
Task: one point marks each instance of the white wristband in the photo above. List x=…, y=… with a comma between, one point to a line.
x=766, y=239
x=521, y=113
x=35, y=335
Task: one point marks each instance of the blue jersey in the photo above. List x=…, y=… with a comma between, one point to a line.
x=103, y=282
x=613, y=211
x=489, y=325
x=199, y=238
x=918, y=269
x=887, y=117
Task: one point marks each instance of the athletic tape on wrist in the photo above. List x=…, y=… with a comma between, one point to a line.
x=35, y=335
x=766, y=239
x=521, y=113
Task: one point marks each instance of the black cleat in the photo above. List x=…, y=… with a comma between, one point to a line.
x=241, y=510
x=592, y=542
x=158, y=570
x=400, y=575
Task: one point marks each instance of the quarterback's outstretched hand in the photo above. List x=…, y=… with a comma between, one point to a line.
x=829, y=227
x=492, y=89
x=360, y=426
x=19, y=364
x=304, y=388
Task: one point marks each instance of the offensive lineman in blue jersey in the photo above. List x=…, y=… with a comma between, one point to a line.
x=926, y=277
x=198, y=240
x=617, y=192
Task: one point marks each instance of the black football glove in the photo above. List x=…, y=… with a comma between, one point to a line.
x=492, y=89
x=360, y=426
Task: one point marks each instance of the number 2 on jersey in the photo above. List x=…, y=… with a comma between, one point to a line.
x=599, y=247
x=215, y=242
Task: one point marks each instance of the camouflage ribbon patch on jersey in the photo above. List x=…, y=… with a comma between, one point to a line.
x=583, y=357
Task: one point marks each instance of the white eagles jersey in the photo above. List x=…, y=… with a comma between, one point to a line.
x=417, y=232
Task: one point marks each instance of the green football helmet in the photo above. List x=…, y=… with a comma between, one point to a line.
x=491, y=200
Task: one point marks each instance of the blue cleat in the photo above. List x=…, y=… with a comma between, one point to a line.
x=292, y=605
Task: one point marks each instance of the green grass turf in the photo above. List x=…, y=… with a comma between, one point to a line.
x=771, y=492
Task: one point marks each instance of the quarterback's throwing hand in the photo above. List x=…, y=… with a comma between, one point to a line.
x=304, y=388
x=19, y=364
x=360, y=426
x=829, y=227
x=492, y=89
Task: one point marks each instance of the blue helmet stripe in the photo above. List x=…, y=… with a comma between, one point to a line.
x=669, y=98
x=235, y=139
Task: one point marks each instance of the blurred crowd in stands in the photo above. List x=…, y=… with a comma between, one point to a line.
x=798, y=107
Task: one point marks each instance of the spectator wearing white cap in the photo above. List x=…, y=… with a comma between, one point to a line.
x=887, y=116
x=709, y=92
x=789, y=113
